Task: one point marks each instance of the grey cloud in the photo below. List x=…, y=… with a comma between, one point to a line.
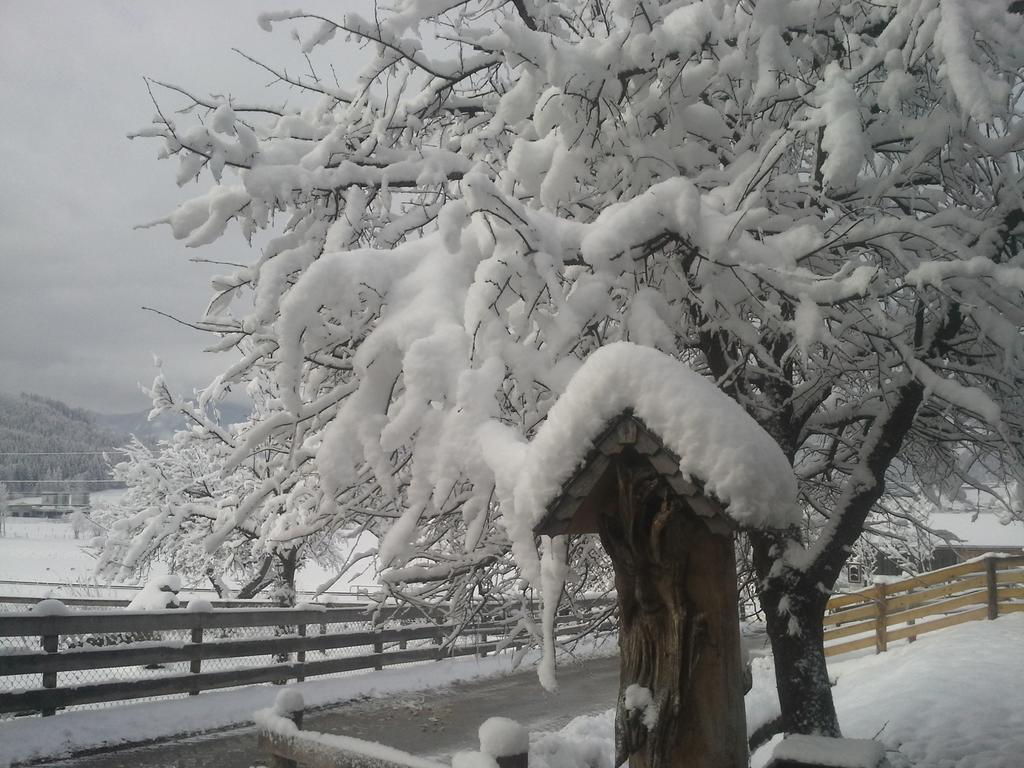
x=74, y=273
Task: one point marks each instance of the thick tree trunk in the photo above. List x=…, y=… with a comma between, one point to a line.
x=801, y=675
x=678, y=630
x=284, y=584
x=793, y=611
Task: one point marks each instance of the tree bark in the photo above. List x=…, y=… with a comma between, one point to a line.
x=793, y=615
x=678, y=629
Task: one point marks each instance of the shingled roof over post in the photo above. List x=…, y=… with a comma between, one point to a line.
x=593, y=485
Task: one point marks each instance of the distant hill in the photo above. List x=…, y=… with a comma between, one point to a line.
x=44, y=439
x=165, y=425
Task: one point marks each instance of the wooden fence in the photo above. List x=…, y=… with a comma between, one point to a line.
x=209, y=634
x=885, y=613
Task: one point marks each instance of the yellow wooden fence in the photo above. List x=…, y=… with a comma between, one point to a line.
x=885, y=613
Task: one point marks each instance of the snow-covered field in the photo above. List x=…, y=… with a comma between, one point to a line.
x=954, y=699
x=46, y=551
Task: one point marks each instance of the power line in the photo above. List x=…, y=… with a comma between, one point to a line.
x=56, y=453
x=58, y=481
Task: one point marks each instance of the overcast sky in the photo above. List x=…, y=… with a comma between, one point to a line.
x=74, y=273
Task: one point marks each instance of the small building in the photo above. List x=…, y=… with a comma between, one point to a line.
x=959, y=535
x=48, y=506
x=973, y=535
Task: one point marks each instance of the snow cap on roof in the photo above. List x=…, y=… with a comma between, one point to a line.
x=719, y=445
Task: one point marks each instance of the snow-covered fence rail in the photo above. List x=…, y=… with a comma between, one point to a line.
x=885, y=613
x=7, y=601
x=127, y=641
x=17, y=593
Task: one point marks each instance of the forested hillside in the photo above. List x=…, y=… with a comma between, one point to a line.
x=31, y=425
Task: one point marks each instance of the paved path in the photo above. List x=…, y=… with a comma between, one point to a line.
x=433, y=723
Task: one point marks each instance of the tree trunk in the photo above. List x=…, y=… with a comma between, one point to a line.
x=259, y=582
x=678, y=630
x=284, y=593
x=801, y=674
x=284, y=584
x=793, y=609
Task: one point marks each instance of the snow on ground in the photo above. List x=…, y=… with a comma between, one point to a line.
x=25, y=739
x=953, y=699
x=43, y=550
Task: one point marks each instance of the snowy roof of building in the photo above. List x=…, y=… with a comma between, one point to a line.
x=716, y=445
x=985, y=531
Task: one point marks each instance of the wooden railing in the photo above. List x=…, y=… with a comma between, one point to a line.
x=885, y=613
x=297, y=631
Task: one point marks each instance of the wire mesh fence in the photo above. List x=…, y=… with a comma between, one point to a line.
x=94, y=659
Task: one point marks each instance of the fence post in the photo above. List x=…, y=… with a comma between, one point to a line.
x=50, y=643
x=196, y=665
x=881, y=644
x=301, y=656
x=991, y=584
x=378, y=648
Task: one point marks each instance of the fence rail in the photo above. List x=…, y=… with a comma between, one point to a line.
x=885, y=613
x=135, y=640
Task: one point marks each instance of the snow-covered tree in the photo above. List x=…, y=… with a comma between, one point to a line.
x=181, y=507
x=817, y=205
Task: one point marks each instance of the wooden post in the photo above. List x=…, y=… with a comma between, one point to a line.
x=679, y=643
x=50, y=643
x=196, y=664
x=881, y=643
x=301, y=656
x=378, y=648
x=991, y=585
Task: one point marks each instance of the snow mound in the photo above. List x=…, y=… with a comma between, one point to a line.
x=159, y=593
x=289, y=701
x=50, y=607
x=717, y=442
x=503, y=737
